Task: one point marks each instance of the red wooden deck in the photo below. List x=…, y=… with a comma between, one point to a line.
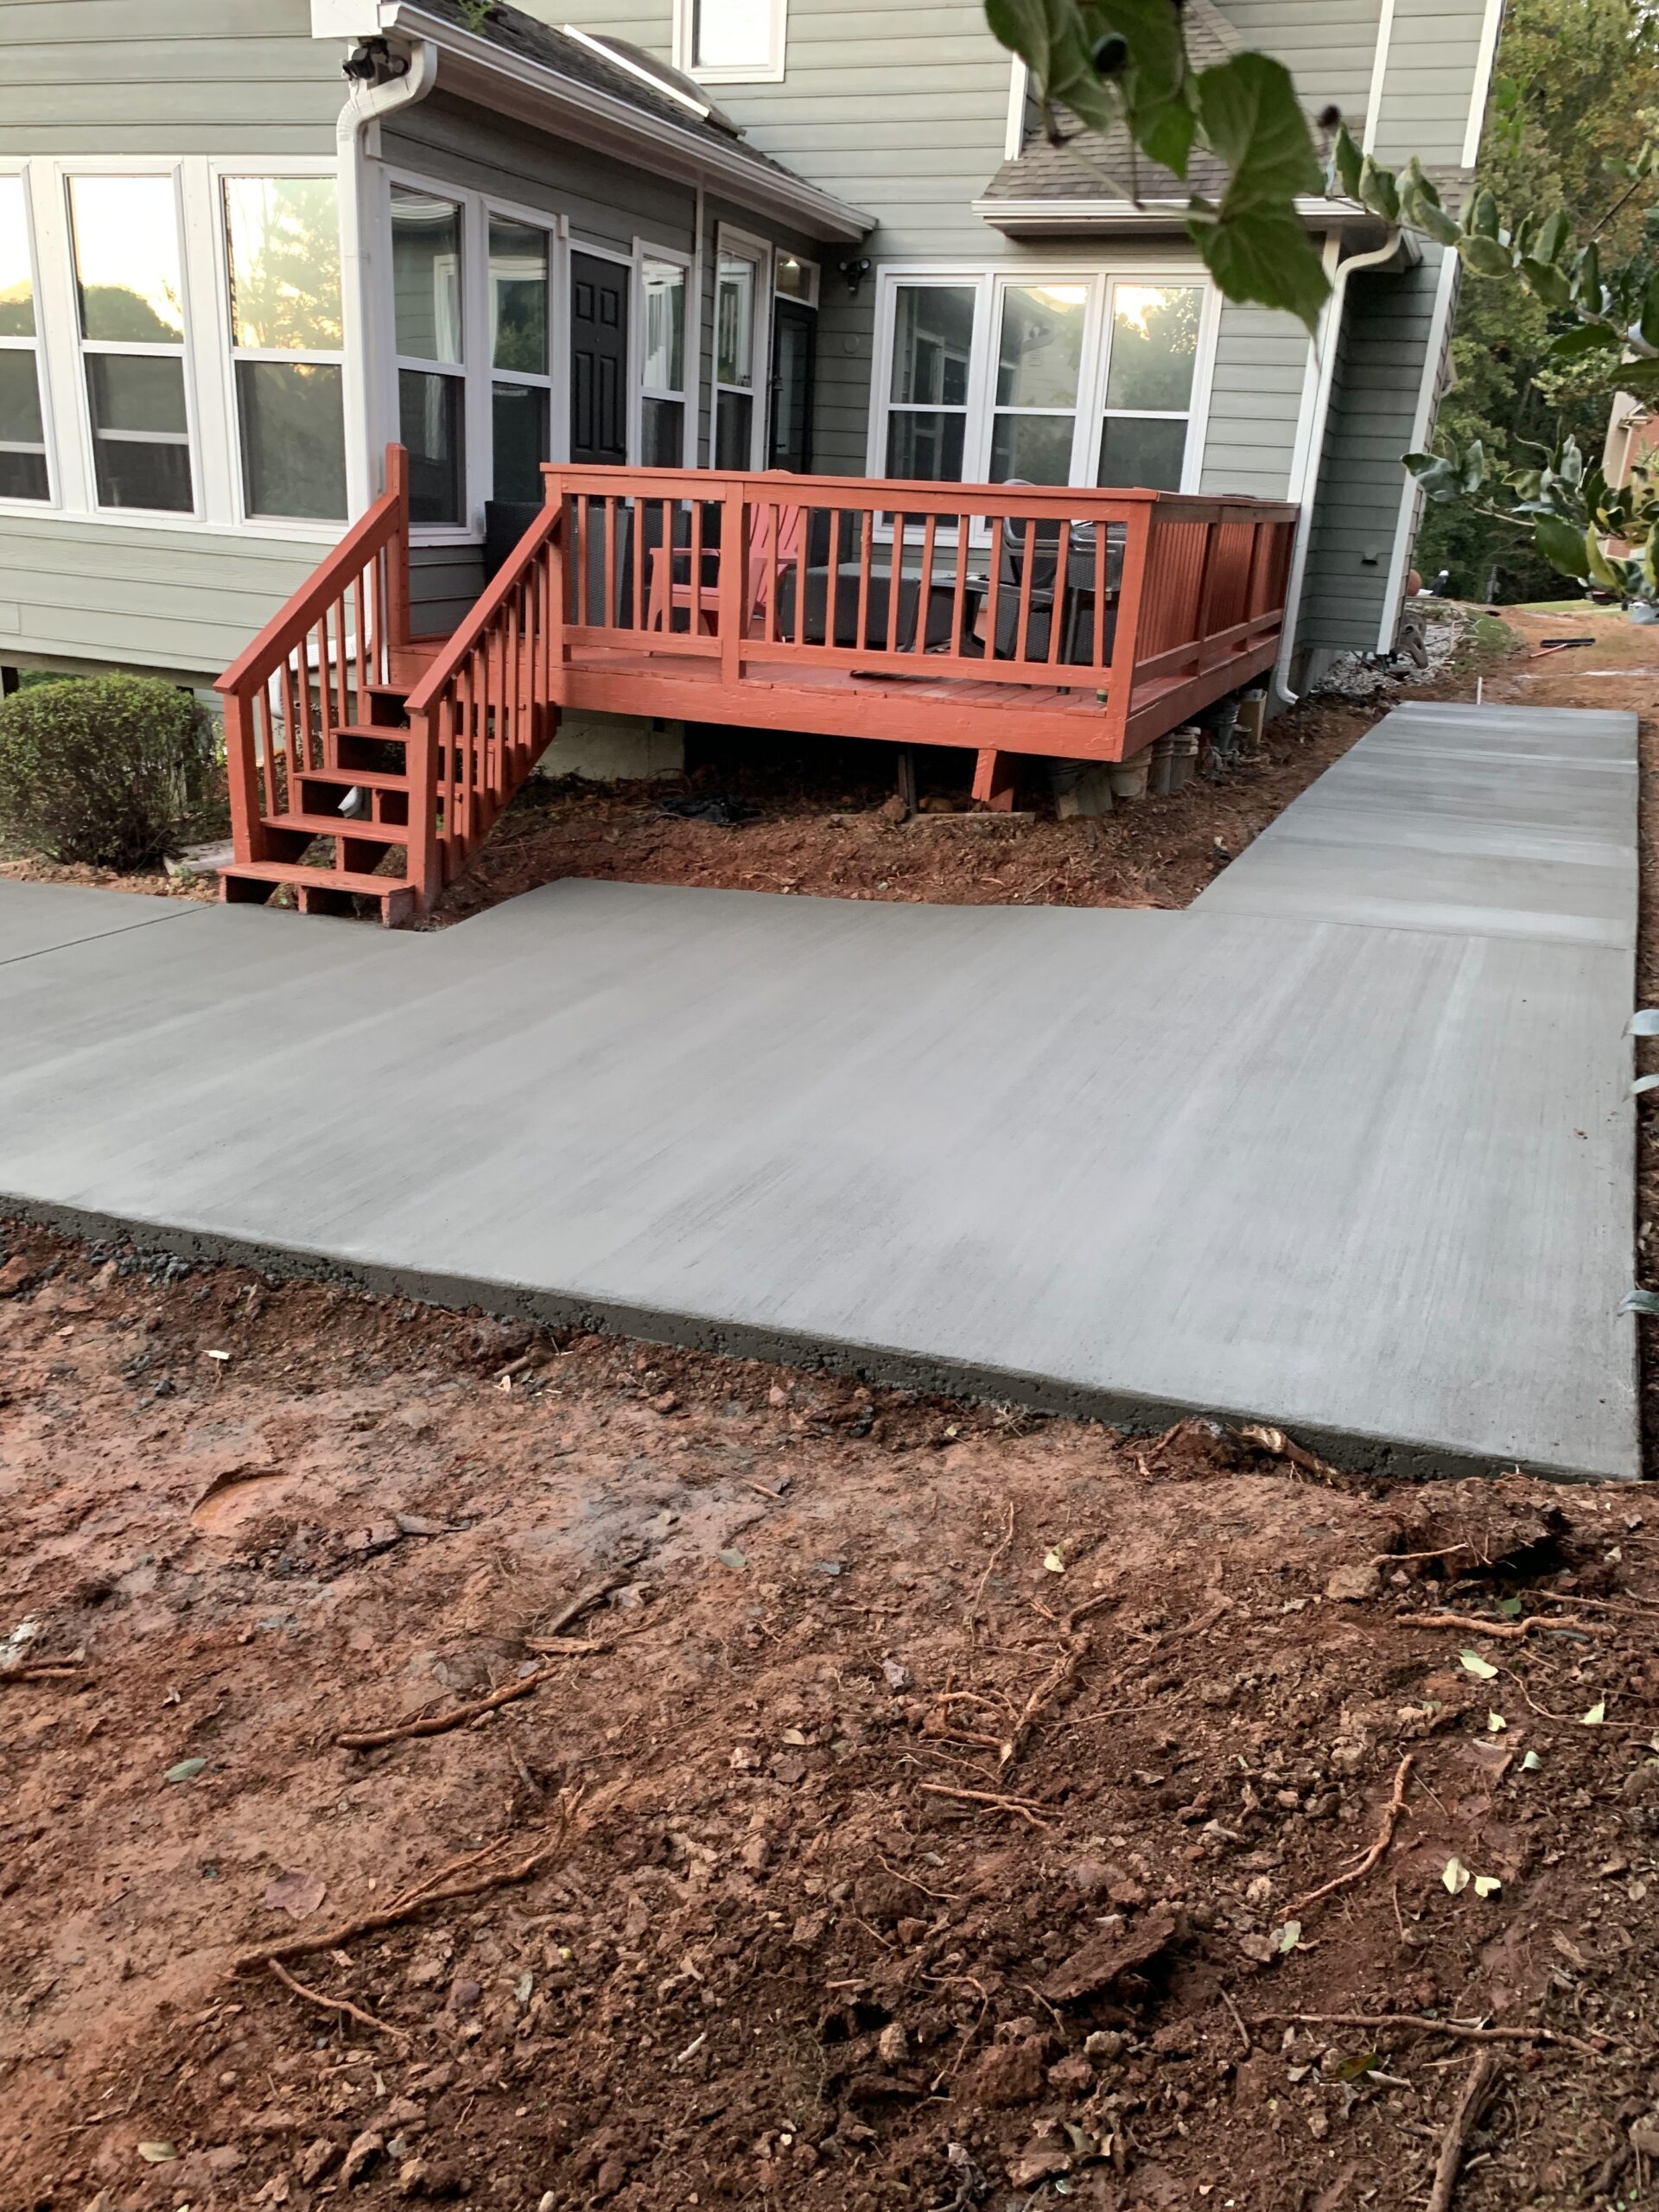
x=1008, y=619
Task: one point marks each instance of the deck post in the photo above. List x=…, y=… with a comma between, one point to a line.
x=993, y=780
x=247, y=831
x=396, y=553
x=1126, y=644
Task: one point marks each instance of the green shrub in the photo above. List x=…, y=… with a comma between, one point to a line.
x=99, y=769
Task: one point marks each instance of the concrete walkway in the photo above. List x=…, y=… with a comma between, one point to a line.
x=1347, y=1146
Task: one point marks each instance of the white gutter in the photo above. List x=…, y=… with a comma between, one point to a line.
x=366, y=105
x=670, y=148
x=1303, y=490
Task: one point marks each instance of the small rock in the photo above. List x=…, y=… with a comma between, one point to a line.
x=1071, y=2077
x=1644, y=2135
x=756, y=1853
x=1351, y=1584
x=364, y=2150
x=1008, y=2074
x=892, y=2044
x=379, y=1536
x=316, y=2159
x=1106, y=2042
x=893, y=809
x=1037, y=2164
x=898, y=1677
x=15, y=1276
x=432, y=2079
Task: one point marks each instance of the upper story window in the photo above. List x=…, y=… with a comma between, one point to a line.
x=130, y=301
x=23, y=473
x=281, y=238
x=426, y=281
x=730, y=42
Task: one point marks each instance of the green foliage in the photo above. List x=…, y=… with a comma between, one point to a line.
x=99, y=771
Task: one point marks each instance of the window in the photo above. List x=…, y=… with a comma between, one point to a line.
x=662, y=405
x=737, y=294
x=426, y=276
x=130, y=302
x=23, y=430
x=932, y=355
x=521, y=388
x=795, y=279
x=730, y=42
x=1068, y=376
x=283, y=252
x=1153, y=363
x=1039, y=360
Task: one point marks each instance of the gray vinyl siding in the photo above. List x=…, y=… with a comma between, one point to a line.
x=1372, y=415
x=180, y=600
x=1328, y=45
x=1433, y=60
x=444, y=580
x=1255, y=402
x=166, y=77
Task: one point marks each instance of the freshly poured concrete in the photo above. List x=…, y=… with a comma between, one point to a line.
x=1375, y=1184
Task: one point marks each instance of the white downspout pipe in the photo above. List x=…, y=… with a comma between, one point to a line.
x=1304, y=489
x=363, y=382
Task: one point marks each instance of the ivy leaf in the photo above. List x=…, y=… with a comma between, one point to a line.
x=1561, y=545
x=1263, y=254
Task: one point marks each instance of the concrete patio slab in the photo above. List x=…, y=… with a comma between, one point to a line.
x=44, y=917
x=1374, y=1183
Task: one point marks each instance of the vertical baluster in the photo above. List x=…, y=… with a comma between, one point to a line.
x=582, y=584
x=1027, y=578
x=1102, y=569
x=774, y=517
x=290, y=721
x=359, y=711
x=896, y=579
x=924, y=583
x=866, y=544
x=959, y=590
x=803, y=524
x=641, y=511
x=832, y=579
x=694, y=614
x=1057, y=621
x=994, y=595
x=342, y=663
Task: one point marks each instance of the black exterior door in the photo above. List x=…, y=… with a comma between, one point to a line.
x=599, y=360
x=794, y=351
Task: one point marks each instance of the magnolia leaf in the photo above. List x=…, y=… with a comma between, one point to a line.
x=1347, y=163
x=1496, y=1723
x=1586, y=280
x=1487, y=1885
x=1429, y=217
x=1484, y=214
x=1561, y=545
x=1455, y=1875
x=186, y=1770
x=1553, y=236
x=1548, y=282
x=1584, y=338
x=1640, y=1302
x=1378, y=190
x=1602, y=570
x=1596, y=1715
x=1483, y=255
x=156, y=2154
x=1532, y=1763
x=1482, y=1669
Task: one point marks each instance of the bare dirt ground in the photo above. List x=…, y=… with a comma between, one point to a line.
x=931, y=1814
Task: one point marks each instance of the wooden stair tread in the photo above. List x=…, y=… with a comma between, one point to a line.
x=330, y=879
x=368, y=780
x=383, y=732
x=341, y=825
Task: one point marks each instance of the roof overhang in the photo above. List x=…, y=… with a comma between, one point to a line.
x=1056, y=217
x=474, y=67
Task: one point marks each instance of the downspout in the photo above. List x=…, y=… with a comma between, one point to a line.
x=365, y=105
x=1303, y=491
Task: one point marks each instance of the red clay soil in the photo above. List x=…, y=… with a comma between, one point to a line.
x=931, y=1814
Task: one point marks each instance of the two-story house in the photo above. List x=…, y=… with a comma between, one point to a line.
x=807, y=235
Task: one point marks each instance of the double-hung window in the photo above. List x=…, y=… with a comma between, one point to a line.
x=933, y=362
x=283, y=255
x=130, y=300
x=730, y=42
x=1151, y=370
x=737, y=297
x=662, y=362
x=426, y=313
x=23, y=473
x=521, y=383
x=1039, y=362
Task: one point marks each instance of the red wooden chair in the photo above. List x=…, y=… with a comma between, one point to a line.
x=702, y=600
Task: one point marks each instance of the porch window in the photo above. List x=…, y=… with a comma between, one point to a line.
x=130, y=300
x=730, y=42
x=662, y=406
x=736, y=298
x=932, y=358
x=1151, y=369
x=283, y=252
x=522, y=387
x=23, y=473
x=1039, y=360
x=426, y=276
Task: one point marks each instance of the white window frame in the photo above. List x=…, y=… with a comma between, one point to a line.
x=812, y=270
x=989, y=286
x=36, y=347
x=646, y=250
x=477, y=367
x=229, y=353
x=770, y=71
x=746, y=245
x=184, y=353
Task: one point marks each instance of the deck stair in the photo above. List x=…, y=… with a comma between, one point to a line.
x=1071, y=623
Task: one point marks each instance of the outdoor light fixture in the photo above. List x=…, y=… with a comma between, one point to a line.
x=374, y=63
x=854, y=272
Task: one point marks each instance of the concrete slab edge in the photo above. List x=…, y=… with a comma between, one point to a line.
x=1390, y=1459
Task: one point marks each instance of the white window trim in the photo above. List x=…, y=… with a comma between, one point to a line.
x=639, y=391
x=812, y=270
x=476, y=368
x=185, y=352
x=759, y=250
x=229, y=353
x=769, y=73
x=980, y=409
x=36, y=346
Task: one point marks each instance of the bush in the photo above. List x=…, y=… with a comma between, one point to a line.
x=99, y=769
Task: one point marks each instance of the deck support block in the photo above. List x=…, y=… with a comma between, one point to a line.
x=993, y=780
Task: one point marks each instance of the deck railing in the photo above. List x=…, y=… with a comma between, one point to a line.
x=1133, y=594
x=308, y=672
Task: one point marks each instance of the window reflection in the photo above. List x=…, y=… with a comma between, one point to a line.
x=282, y=235
x=126, y=235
